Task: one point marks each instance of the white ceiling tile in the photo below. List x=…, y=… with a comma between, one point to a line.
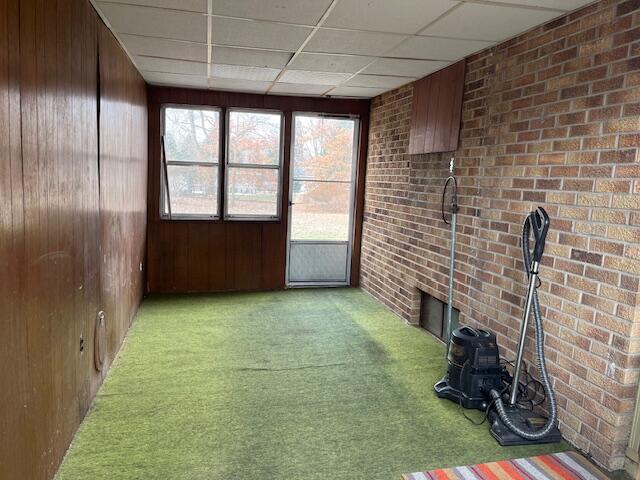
x=362, y=92
x=156, y=22
x=330, y=63
x=188, y=5
x=377, y=81
x=299, y=89
x=488, y=22
x=315, y=78
x=249, y=33
x=160, y=47
x=352, y=42
x=566, y=5
x=436, y=48
x=302, y=12
x=250, y=56
x=399, y=16
x=404, y=67
x=168, y=40
x=168, y=65
x=175, y=80
x=238, y=85
x=245, y=73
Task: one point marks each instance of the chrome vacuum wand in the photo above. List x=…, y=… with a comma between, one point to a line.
x=452, y=253
x=537, y=222
x=533, y=279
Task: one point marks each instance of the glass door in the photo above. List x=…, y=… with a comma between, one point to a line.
x=321, y=199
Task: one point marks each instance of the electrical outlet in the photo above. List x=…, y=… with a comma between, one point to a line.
x=140, y=266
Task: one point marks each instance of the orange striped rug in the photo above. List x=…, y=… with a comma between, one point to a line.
x=558, y=466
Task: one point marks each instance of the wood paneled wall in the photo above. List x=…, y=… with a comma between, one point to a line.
x=72, y=221
x=123, y=187
x=210, y=256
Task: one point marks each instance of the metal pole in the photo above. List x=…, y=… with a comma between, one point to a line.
x=452, y=261
x=452, y=257
x=513, y=396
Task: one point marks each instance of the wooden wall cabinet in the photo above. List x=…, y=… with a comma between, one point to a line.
x=436, y=111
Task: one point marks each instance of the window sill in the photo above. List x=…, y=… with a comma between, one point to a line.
x=188, y=218
x=219, y=220
x=241, y=218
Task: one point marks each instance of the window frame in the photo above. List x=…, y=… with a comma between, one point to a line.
x=164, y=182
x=353, y=204
x=278, y=167
x=355, y=174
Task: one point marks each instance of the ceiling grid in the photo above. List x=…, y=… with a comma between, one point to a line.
x=345, y=48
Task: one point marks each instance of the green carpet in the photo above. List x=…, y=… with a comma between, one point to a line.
x=299, y=384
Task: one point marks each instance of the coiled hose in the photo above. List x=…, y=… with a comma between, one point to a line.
x=542, y=367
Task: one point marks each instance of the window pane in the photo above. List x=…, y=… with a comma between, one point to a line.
x=193, y=190
x=254, y=138
x=252, y=191
x=192, y=135
x=320, y=211
x=323, y=148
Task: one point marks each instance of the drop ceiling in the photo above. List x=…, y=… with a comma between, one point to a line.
x=343, y=48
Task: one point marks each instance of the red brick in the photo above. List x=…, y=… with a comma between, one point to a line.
x=627, y=37
x=617, y=156
x=549, y=117
x=564, y=55
x=604, y=113
x=572, y=118
x=627, y=7
x=608, y=84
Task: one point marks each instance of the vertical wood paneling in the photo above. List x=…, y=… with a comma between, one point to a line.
x=431, y=97
x=445, y=101
x=458, y=72
x=13, y=352
x=206, y=256
x=244, y=256
x=436, y=111
x=198, y=279
x=419, y=118
x=43, y=257
x=123, y=186
x=216, y=242
x=274, y=256
x=87, y=181
x=51, y=232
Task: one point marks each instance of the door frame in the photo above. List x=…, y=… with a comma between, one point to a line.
x=352, y=200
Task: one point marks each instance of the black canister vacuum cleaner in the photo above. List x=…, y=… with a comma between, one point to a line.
x=476, y=377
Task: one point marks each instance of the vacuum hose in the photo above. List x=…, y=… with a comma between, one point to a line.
x=533, y=220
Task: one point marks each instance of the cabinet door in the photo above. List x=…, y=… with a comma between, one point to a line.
x=436, y=111
x=419, y=115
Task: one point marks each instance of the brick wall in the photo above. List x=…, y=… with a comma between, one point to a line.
x=549, y=118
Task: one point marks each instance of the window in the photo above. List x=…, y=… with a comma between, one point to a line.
x=254, y=151
x=190, y=165
x=323, y=171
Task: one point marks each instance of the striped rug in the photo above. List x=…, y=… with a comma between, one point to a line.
x=558, y=466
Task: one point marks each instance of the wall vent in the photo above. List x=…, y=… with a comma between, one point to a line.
x=433, y=315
